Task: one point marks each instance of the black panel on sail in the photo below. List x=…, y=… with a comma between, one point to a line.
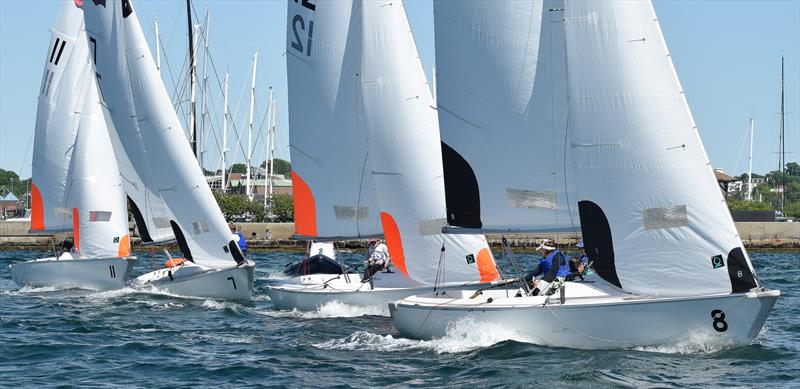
x=235, y=252
x=187, y=254
x=597, y=241
x=461, y=190
x=742, y=279
x=140, y=224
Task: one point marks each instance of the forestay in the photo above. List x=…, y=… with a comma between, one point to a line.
x=654, y=221
x=94, y=196
x=503, y=115
x=406, y=154
x=148, y=130
x=333, y=190
x=57, y=120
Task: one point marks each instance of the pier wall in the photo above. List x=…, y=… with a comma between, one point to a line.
x=754, y=234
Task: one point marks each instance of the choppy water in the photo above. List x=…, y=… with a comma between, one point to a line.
x=143, y=339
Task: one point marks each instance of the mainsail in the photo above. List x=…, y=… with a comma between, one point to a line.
x=503, y=115
x=148, y=130
x=57, y=122
x=333, y=190
x=365, y=138
x=654, y=221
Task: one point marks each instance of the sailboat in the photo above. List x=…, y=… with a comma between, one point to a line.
x=76, y=183
x=366, y=159
x=670, y=266
x=167, y=190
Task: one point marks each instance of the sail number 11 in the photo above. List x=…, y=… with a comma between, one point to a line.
x=299, y=24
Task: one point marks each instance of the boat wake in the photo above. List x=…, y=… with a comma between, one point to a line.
x=334, y=309
x=699, y=343
x=462, y=336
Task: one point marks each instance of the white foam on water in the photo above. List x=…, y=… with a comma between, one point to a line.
x=274, y=274
x=697, y=343
x=332, y=309
x=112, y=294
x=42, y=289
x=217, y=305
x=463, y=335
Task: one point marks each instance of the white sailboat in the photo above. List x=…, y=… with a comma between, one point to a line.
x=366, y=157
x=670, y=265
x=76, y=181
x=168, y=192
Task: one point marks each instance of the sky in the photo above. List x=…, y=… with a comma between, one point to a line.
x=727, y=55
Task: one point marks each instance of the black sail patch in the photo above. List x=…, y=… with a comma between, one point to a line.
x=182, y=244
x=462, y=194
x=597, y=241
x=127, y=9
x=742, y=279
x=140, y=224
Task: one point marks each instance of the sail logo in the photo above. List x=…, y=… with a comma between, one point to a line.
x=470, y=259
x=717, y=261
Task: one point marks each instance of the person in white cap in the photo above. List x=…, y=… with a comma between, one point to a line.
x=377, y=259
x=552, y=264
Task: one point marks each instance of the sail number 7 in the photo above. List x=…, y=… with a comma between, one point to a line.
x=299, y=27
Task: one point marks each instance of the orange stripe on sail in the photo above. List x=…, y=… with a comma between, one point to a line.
x=124, y=249
x=76, y=229
x=305, y=211
x=486, y=266
x=37, y=209
x=393, y=241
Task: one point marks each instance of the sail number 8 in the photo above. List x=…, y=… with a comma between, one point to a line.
x=298, y=25
x=720, y=325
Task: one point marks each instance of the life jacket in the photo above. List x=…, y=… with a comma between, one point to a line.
x=241, y=242
x=174, y=262
x=546, y=263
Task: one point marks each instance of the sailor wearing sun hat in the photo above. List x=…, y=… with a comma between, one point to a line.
x=552, y=264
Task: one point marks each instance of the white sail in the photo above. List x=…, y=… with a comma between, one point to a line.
x=148, y=130
x=503, y=114
x=653, y=218
x=95, y=191
x=333, y=192
x=57, y=122
x=405, y=154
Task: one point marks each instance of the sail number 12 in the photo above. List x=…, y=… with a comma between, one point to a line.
x=299, y=24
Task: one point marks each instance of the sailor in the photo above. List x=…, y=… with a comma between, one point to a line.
x=377, y=259
x=239, y=238
x=583, y=258
x=552, y=264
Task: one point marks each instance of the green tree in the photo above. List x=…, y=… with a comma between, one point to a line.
x=238, y=168
x=741, y=205
x=282, y=208
x=281, y=167
x=793, y=169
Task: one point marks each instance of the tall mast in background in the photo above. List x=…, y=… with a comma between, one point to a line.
x=158, y=46
x=224, y=131
x=204, y=113
x=782, y=150
x=249, y=156
x=750, y=162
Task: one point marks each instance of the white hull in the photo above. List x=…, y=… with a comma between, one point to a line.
x=591, y=319
x=192, y=280
x=97, y=274
x=308, y=293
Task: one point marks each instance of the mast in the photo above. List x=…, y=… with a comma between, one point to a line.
x=249, y=156
x=750, y=163
x=204, y=114
x=224, y=131
x=782, y=151
x=158, y=46
x=268, y=162
x=433, y=87
x=192, y=123
x=272, y=144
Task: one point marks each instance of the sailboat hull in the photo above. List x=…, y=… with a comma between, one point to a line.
x=606, y=322
x=97, y=274
x=191, y=280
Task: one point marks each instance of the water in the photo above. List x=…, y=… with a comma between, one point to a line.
x=146, y=339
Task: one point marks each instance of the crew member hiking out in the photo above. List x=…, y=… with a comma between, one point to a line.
x=377, y=259
x=552, y=264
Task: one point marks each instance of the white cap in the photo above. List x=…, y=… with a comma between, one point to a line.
x=545, y=245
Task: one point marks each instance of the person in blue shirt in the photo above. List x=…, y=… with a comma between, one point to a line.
x=551, y=265
x=239, y=238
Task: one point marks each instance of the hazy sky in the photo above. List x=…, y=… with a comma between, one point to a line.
x=727, y=54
